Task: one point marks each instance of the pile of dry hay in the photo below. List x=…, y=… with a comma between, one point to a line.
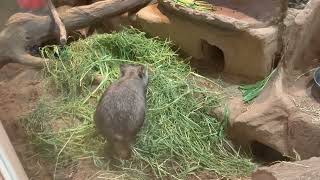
x=180, y=137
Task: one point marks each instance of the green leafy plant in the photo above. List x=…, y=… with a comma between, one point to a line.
x=250, y=92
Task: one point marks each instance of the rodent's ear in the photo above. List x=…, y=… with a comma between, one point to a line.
x=122, y=69
x=141, y=71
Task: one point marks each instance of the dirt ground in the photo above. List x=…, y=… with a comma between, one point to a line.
x=20, y=90
x=306, y=96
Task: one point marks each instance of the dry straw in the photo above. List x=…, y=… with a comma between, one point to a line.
x=179, y=137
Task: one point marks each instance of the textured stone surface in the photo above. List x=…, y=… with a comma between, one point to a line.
x=304, y=135
x=273, y=120
x=248, y=52
x=265, y=121
x=234, y=14
x=306, y=170
x=277, y=118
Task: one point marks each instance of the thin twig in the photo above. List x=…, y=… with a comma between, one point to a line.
x=58, y=22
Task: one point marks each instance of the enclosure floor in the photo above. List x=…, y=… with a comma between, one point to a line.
x=20, y=91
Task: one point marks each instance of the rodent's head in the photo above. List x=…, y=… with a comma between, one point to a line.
x=122, y=150
x=135, y=70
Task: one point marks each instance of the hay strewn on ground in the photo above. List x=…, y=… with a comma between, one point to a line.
x=196, y=4
x=179, y=136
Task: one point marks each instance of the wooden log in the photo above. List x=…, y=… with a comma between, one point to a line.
x=26, y=30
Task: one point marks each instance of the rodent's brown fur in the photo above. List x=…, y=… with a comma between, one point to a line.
x=121, y=110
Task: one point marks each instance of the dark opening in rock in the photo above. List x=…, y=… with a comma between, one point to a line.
x=297, y=4
x=265, y=154
x=213, y=55
x=212, y=62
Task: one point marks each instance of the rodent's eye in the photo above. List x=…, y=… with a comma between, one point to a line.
x=141, y=75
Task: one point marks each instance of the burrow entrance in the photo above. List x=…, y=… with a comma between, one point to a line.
x=212, y=61
x=265, y=154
